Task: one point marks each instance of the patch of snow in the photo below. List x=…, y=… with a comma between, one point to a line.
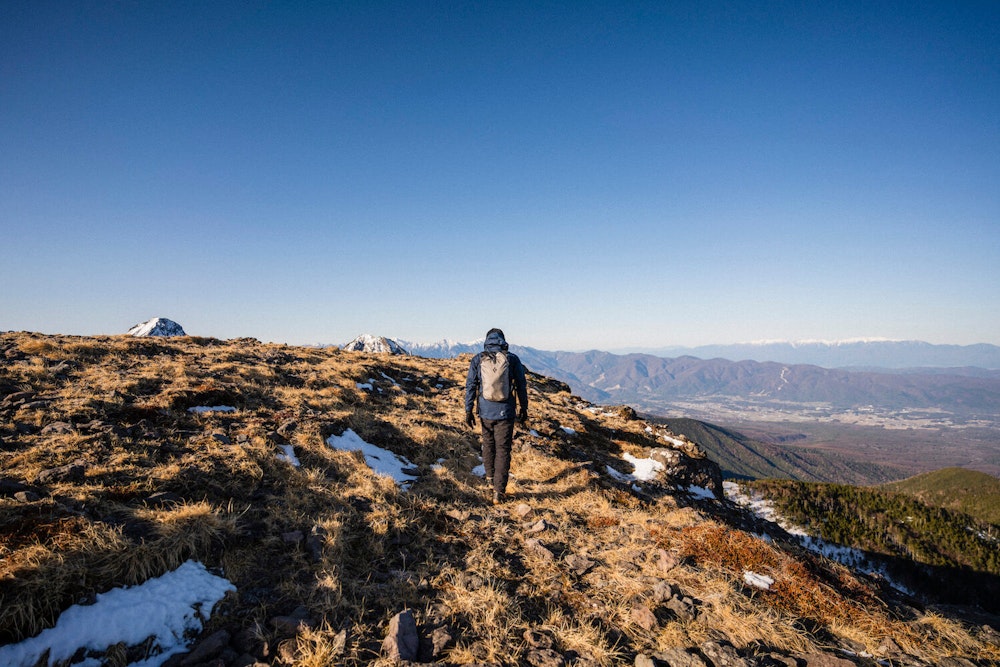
x=381, y=461
x=199, y=409
x=701, y=492
x=533, y=432
x=288, y=454
x=643, y=470
x=761, y=581
x=365, y=385
x=479, y=470
x=568, y=430
x=167, y=608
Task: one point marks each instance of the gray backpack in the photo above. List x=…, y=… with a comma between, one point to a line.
x=495, y=373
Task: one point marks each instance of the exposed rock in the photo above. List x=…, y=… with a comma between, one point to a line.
x=26, y=496
x=544, y=657
x=683, y=608
x=537, y=638
x=9, y=488
x=59, y=428
x=678, y=657
x=158, y=326
x=722, y=655
x=666, y=560
x=537, y=548
x=221, y=437
x=402, y=641
x=292, y=624
x=644, y=618
x=374, y=345
x=539, y=526
x=207, y=648
x=521, y=510
x=579, y=564
x=824, y=660
x=626, y=412
x=315, y=541
x=71, y=472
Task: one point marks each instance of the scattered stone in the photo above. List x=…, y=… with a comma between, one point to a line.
x=683, y=608
x=539, y=526
x=776, y=660
x=522, y=510
x=666, y=560
x=71, y=472
x=955, y=662
x=678, y=657
x=644, y=618
x=579, y=564
x=59, y=428
x=315, y=541
x=9, y=488
x=661, y=592
x=544, y=657
x=722, y=655
x=643, y=660
x=823, y=660
x=293, y=624
x=401, y=641
x=441, y=638
x=26, y=496
x=626, y=412
x=207, y=648
x=537, y=638
x=221, y=437
x=17, y=398
x=537, y=548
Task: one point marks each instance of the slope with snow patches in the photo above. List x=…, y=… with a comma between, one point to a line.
x=847, y=556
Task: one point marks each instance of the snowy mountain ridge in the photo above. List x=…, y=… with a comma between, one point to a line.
x=158, y=326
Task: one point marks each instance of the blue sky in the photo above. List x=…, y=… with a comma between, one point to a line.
x=581, y=174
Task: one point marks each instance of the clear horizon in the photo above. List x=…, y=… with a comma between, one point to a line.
x=584, y=177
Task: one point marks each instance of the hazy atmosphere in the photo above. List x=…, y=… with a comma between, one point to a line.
x=580, y=174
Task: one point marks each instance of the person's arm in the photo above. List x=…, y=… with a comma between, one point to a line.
x=521, y=387
x=472, y=385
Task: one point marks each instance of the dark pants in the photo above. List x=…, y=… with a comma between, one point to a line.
x=498, y=437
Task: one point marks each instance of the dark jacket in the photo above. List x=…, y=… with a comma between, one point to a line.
x=497, y=411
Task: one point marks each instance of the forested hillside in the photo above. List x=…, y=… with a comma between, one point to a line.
x=956, y=553
x=970, y=491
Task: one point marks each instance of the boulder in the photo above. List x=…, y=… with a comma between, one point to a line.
x=402, y=641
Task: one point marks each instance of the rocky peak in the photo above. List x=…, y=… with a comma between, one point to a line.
x=375, y=345
x=158, y=326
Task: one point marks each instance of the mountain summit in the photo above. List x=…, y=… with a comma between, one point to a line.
x=158, y=326
x=375, y=345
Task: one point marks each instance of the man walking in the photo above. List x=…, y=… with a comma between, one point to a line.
x=496, y=377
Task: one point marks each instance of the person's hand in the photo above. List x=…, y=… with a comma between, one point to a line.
x=470, y=419
x=523, y=416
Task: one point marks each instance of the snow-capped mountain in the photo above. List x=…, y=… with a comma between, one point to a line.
x=375, y=345
x=445, y=349
x=158, y=326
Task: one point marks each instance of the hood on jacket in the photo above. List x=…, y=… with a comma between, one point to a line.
x=495, y=341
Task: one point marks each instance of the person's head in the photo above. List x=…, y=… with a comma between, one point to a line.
x=495, y=340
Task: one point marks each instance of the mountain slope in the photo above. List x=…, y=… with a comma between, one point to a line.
x=741, y=456
x=123, y=458
x=969, y=491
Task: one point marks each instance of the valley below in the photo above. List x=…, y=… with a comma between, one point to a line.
x=905, y=442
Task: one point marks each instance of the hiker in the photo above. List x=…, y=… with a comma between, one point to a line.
x=496, y=376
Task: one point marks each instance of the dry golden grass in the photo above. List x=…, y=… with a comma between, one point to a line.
x=349, y=545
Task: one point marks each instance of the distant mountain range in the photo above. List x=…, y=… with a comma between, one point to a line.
x=895, y=354
x=648, y=381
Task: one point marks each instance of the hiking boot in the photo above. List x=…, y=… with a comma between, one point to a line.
x=499, y=498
